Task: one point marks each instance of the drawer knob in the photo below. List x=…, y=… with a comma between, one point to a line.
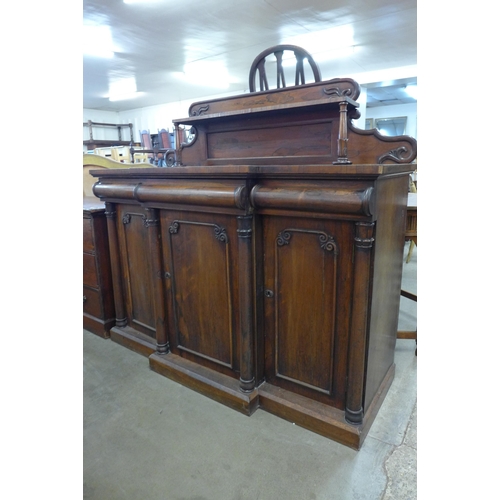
x=84, y=298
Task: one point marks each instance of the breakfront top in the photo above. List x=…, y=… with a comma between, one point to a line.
x=304, y=132
x=263, y=268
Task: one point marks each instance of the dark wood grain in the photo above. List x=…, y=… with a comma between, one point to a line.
x=266, y=271
x=98, y=304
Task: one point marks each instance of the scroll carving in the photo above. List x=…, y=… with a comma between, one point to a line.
x=342, y=87
x=283, y=238
x=337, y=91
x=199, y=110
x=146, y=222
x=399, y=155
x=220, y=232
x=326, y=242
x=174, y=227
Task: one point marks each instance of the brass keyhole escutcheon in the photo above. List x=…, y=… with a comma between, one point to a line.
x=269, y=294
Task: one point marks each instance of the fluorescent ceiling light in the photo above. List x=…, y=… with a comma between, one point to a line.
x=125, y=97
x=123, y=89
x=97, y=41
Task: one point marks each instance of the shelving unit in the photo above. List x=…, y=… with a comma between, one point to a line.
x=93, y=143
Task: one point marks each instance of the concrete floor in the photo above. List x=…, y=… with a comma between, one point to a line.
x=146, y=437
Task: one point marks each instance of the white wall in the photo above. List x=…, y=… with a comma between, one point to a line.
x=408, y=110
x=152, y=118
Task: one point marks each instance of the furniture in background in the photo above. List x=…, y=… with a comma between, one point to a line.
x=264, y=269
x=411, y=229
x=98, y=304
x=411, y=223
x=98, y=301
x=154, y=151
x=146, y=142
x=410, y=235
x=121, y=154
x=92, y=143
x=164, y=140
x=139, y=157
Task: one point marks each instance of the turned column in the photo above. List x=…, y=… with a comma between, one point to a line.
x=363, y=244
x=342, y=140
x=152, y=223
x=121, y=317
x=247, y=377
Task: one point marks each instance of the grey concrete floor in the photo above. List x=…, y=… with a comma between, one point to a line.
x=146, y=437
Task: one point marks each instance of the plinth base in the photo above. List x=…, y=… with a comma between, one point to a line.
x=133, y=340
x=317, y=417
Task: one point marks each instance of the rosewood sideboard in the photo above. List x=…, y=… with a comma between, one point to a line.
x=264, y=268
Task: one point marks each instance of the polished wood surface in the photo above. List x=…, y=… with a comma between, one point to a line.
x=262, y=271
x=98, y=306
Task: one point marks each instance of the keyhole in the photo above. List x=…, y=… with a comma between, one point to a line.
x=269, y=293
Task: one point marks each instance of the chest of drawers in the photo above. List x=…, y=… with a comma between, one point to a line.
x=98, y=305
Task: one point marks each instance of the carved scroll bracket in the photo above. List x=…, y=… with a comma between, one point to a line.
x=326, y=241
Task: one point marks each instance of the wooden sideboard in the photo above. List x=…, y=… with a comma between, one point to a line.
x=264, y=269
x=98, y=304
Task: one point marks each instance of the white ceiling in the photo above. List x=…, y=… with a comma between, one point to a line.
x=155, y=39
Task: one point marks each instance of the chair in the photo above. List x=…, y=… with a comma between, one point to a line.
x=258, y=65
x=102, y=151
x=146, y=142
x=121, y=154
x=164, y=139
x=141, y=157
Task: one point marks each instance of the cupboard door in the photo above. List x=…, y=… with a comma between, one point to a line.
x=306, y=298
x=199, y=258
x=137, y=268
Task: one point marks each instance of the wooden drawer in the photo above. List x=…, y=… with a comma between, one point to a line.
x=90, y=270
x=88, y=239
x=91, y=302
